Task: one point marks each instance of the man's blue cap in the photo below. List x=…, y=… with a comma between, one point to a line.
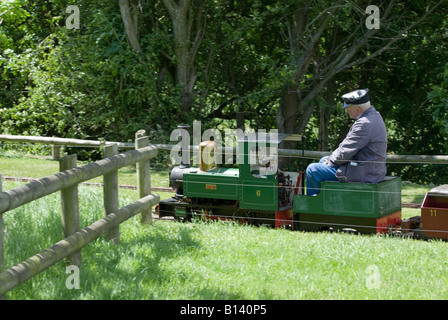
x=356, y=97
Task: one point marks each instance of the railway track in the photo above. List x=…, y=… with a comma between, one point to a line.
x=94, y=184
x=159, y=189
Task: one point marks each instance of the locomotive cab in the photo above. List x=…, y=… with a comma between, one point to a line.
x=263, y=185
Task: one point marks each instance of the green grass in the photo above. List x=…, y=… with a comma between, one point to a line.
x=217, y=260
x=20, y=166
x=199, y=260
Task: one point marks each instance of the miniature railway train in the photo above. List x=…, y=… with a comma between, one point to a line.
x=256, y=195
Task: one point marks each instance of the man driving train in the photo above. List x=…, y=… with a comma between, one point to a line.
x=361, y=156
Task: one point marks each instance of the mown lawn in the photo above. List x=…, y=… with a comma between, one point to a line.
x=218, y=260
x=171, y=260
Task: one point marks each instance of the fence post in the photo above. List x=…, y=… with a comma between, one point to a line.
x=56, y=152
x=2, y=255
x=143, y=176
x=111, y=193
x=70, y=208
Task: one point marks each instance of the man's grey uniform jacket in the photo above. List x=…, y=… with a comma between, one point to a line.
x=361, y=157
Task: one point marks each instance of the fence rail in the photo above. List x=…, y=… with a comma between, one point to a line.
x=309, y=154
x=67, y=182
x=39, y=188
x=18, y=274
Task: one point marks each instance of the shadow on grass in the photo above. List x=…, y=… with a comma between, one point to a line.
x=150, y=265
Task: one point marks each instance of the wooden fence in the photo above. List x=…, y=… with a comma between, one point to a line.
x=308, y=154
x=67, y=182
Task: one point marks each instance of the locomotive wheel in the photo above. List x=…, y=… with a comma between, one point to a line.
x=349, y=230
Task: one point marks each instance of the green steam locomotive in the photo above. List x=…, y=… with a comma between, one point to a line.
x=255, y=191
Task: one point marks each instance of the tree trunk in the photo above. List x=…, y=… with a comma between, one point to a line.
x=183, y=15
x=130, y=21
x=325, y=110
x=287, y=119
x=288, y=110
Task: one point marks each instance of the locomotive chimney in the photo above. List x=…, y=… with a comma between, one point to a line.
x=187, y=145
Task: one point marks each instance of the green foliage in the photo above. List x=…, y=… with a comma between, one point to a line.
x=89, y=83
x=439, y=97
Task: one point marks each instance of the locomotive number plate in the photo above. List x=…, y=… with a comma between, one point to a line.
x=210, y=186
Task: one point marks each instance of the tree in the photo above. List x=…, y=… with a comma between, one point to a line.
x=82, y=83
x=328, y=38
x=134, y=64
x=236, y=65
x=129, y=15
x=188, y=29
x=438, y=96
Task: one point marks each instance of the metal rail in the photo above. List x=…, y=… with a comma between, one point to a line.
x=39, y=188
x=308, y=154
